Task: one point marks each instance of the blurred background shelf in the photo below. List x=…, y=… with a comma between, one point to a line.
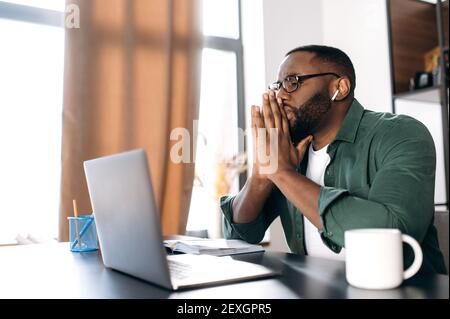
x=418, y=36
x=430, y=94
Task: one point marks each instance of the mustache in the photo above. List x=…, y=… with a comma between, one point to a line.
x=289, y=108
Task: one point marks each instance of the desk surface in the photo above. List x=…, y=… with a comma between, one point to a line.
x=52, y=271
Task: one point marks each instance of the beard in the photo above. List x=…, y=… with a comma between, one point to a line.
x=308, y=116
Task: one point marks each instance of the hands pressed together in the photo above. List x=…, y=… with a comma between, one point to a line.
x=272, y=140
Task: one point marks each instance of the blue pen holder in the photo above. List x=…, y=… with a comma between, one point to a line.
x=83, y=234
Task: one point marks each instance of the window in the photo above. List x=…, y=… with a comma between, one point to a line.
x=221, y=113
x=221, y=18
x=31, y=82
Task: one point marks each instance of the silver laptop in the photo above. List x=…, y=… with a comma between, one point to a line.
x=129, y=231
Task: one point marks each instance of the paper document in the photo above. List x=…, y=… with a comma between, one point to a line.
x=215, y=247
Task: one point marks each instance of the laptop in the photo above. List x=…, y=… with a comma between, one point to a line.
x=129, y=229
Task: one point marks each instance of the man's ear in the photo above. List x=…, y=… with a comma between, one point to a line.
x=344, y=88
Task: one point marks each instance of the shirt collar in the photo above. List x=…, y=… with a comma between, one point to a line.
x=350, y=125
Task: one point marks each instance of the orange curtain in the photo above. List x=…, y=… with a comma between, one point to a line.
x=132, y=74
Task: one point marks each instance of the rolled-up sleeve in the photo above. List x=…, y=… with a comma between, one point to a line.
x=400, y=195
x=254, y=231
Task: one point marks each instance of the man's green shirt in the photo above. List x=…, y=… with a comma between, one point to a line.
x=381, y=175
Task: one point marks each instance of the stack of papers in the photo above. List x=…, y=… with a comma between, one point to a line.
x=215, y=247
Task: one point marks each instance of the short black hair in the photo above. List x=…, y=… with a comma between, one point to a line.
x=334, y=56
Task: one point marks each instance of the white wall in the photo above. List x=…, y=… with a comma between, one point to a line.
x=289, y=24
x=359, y=28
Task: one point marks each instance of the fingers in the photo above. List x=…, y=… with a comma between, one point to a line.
x=257, y=130
x=254, y=128
x=284, y=119
x=252, y=112
x=257, y=120
x=267, y=112
x=257, y=123
x=303, y=144
x=275, y=108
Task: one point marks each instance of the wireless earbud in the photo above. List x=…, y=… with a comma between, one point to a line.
x=335, y=94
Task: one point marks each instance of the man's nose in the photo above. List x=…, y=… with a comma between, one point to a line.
x=282, y=94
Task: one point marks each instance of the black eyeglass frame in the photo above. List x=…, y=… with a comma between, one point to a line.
x=276, y=86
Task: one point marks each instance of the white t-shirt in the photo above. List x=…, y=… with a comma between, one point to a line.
x=317, y=163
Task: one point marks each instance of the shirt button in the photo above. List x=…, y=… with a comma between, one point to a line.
x=328, y=172
x=330, y=233
x=298, y=236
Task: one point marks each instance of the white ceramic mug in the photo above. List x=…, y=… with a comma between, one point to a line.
x=374, y=258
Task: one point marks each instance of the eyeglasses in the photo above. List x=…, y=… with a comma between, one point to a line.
x=293, y=82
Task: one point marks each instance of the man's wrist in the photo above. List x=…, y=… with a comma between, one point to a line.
x=280, y=175
x=261, y=181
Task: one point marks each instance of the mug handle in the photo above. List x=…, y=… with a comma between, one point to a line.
x=418, y=257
